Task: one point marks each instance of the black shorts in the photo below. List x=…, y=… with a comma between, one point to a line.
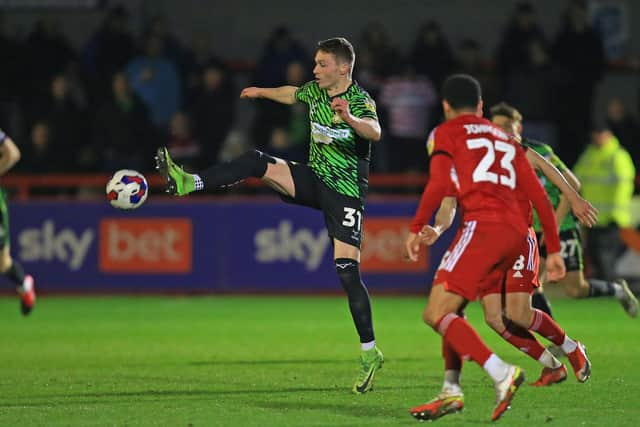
x=570, y=249
x=343, y=215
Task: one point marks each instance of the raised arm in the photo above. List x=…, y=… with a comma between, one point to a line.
x=584, y=211
x=282, y=94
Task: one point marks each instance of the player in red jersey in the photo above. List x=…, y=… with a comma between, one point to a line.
x=520, y=281
x=488, y=166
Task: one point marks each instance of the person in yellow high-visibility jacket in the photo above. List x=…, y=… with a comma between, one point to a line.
x=606, y=171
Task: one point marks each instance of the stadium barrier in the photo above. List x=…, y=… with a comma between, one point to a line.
x=22, y=186
x=213, y=245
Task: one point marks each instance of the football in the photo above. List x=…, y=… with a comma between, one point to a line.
x=127, y=189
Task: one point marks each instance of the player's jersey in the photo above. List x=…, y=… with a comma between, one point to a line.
x=484, y=159
x=337, y=155
x=569, y=221
x=525, y=206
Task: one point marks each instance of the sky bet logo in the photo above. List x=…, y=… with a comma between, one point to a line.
x=149, y=245
x=51, y=243
x=382, y=248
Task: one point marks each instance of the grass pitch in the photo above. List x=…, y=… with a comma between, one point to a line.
x=281, y=361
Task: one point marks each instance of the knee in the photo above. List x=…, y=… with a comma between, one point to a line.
x=573, y=292
x=494, y=321
x=431, y=317
x=349, y=273
x=521, y=316
x=256, y=162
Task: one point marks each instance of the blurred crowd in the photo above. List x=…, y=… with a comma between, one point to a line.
x=109, y=104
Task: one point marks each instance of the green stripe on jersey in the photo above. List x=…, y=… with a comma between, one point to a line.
x=337, y=155
x=569, y=221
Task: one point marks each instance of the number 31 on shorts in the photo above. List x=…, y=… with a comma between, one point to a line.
x=350, y=219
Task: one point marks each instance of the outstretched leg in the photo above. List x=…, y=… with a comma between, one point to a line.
x=519, y=310
x=523, y=340
x=440, y=314
x=275, y=172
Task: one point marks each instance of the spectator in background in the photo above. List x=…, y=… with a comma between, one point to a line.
x=272, y=116
x=408, y=99
x=431, y=54
x=67, y=121
x=48, y=53
x=77, y=85
x=289, y=136
x=376, y=57
x=156, y=81
x=39, y=156
x=182, y=145
x=122, y=132
x=213, y=110
x=173, y=48
x=579, y=56
x=297, y=129
x=530, y=86
x=514, y=49
x=606, y=172
x=109, y=49
x=625, y=127
x=280, y=50
x=11, y=82
x=469, y=61
x=199, y=57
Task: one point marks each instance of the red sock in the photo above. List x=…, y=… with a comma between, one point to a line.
x=452, y=360
x=524, y=341
x=547, y=327
x=463, y=338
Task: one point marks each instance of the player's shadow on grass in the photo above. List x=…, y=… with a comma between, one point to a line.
x=293, y=361
x=192, y=393
x=356, y=409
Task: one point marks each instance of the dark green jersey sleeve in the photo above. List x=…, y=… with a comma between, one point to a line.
x=305, y=92
x=363, y=106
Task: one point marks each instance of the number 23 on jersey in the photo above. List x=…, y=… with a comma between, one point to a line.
x=482, y=173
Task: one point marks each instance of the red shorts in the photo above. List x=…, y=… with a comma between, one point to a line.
x=522, y=276
x=478, y=258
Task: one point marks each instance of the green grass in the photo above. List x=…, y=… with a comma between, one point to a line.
x=280, y=361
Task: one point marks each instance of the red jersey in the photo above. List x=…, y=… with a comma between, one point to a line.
x=490, y=172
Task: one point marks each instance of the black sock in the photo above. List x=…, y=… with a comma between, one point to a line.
x=15, y=273
x=252, y=163
x=601, y=288
x=349, y=274
x=540, y=301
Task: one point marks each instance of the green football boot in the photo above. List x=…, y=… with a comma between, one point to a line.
x=178, y=182
x=370, y=362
